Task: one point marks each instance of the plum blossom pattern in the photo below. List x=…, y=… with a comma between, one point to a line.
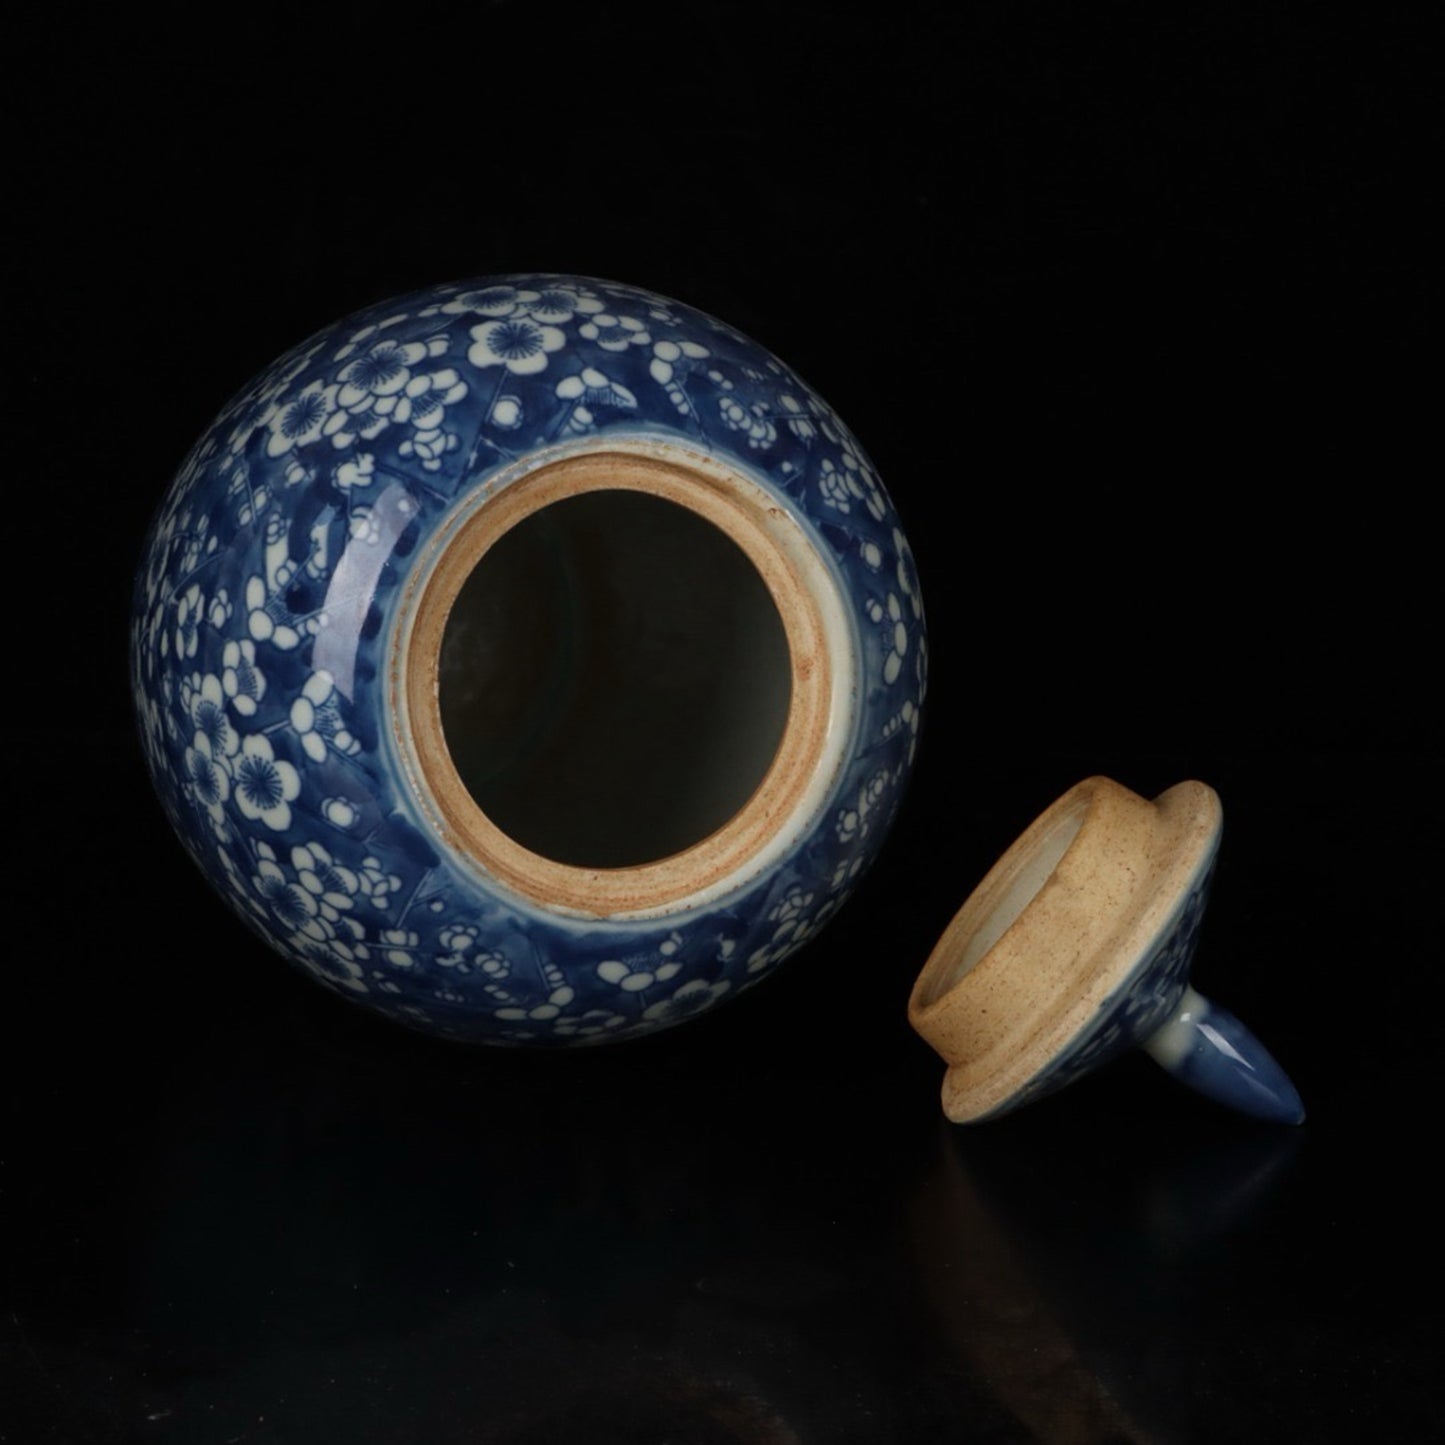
x=318, y=720
x=301, y=420
x=241, y=680
x=516, y=342
x=276, y=568
x=208, y=779
x=266, y=785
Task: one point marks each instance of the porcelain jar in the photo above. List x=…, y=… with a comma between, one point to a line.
x=530, y=660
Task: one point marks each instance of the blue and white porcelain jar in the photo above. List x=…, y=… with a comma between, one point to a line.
x=533, y=660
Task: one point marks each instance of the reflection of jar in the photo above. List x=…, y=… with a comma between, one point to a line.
x=531, y=660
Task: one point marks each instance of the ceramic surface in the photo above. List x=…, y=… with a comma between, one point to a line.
x=1143, y=1001
x=267, y=615
x=1078, y=945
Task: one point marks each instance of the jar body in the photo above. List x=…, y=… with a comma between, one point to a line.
x=531, y=660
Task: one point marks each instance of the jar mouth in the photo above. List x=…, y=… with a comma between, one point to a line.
x=623, y=680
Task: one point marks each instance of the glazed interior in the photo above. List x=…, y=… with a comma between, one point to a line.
x=624, y=680
x=615, y=680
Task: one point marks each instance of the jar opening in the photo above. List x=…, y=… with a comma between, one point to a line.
x=615, y=680
x=624, y=682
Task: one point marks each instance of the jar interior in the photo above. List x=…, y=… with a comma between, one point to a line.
x=614, y=680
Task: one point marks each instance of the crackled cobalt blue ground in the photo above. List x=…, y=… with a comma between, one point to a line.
x=269, y=594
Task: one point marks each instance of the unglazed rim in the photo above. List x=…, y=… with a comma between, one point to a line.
x=809, y=752
x=1002, y=1017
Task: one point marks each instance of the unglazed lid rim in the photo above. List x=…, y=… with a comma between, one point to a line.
x=1180, y=841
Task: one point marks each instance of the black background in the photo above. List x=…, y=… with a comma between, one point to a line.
x=1137, y=318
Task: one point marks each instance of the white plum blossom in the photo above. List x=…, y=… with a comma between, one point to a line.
x=557, y=1000
x=265, y=785
x=316, y=717
x=326, y=880
x=219, y=613
x=559, y=304
x=634, y=980
x=383, y=372
x=753, y=421
x=850, y=482
x=292, y=904
x=241, y=680
x=794, y=903
x=790, y=914
x=430, y=395
x=615, y=333
x=268, y=619
x=855, y=822
x=339, y=812
x=458, y=939
x=833, y=484
x=493, y=964
x=204, y=701
x=378, y=886
x=506, y=413
x=382, y=387
x=429, y=447
x=843, y=486
x=358, y=471
x=206, y=779
x=303, y=419
x=398, y=943
x=516, y=342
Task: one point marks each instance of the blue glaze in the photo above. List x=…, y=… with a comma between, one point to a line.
x=269, y=593
x=1201, y=1044
x=1206, y=1047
